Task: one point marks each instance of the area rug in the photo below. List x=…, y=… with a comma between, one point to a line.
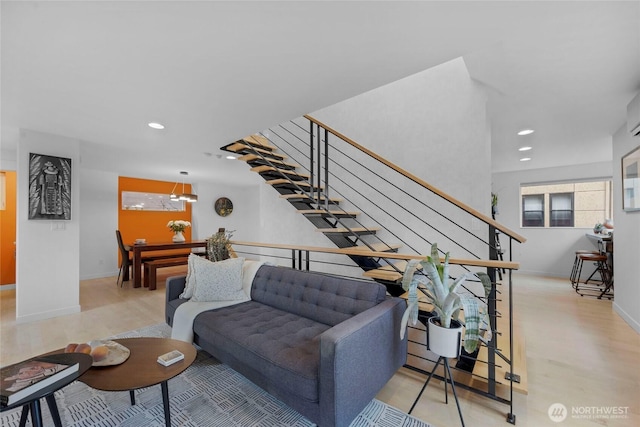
x=207, y=394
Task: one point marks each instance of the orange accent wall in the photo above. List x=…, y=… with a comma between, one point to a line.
x=8, y=232
x=150, y=225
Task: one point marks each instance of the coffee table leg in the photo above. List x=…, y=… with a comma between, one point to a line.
x=133, y=397
x=165, y=403
x=53, y=408
x=36, y=415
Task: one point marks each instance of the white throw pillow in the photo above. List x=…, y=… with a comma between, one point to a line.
x=249, y=270
x=190, y=283
x=217, y=281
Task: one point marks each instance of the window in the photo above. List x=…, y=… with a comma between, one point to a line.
x=137, y=201
x=533, y=210
x=571, y=204
x=561, y=214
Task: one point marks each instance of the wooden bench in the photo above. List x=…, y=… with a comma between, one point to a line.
x=151, y=266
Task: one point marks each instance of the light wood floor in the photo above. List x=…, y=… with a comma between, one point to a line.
x=579, y=351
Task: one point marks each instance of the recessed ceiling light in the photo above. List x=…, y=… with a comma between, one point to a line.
x=155, y=125
x=525, y=132
x=230, y=157
x=525, y=159
x=526, y=148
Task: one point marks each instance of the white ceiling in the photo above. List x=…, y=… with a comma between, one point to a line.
x=214, y=71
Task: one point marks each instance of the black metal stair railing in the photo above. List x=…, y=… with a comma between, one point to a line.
x=396, y=202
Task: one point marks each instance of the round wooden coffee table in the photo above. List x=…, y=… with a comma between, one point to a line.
x=142, y=369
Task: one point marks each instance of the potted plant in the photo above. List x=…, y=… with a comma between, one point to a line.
x=598, y=228
x=218, y=245
x=178, y=227
x=433, y=282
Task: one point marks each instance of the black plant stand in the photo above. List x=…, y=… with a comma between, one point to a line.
x=447, y=371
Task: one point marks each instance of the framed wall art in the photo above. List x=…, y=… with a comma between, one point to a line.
x=49, y=187
x=631, y=180
x=223, y=206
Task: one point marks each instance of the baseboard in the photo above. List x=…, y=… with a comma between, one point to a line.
x=625, y=316
x=47, y=314
x=99, y=275
x=542, y=274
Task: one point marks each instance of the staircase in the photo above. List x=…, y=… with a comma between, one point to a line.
x=385, y=200
x=339, y=226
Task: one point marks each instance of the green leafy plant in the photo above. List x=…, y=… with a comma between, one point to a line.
x=433, y=282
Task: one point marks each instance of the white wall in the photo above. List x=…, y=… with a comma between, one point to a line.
x=99, y=220
x=47, y=276
x=8, y=160
x=243, y=221
x=626, y=258
x=433, y=124
x=547, y=251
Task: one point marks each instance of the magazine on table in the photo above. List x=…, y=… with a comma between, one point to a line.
x=24, y=378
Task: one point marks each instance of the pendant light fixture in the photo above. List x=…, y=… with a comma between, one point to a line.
x=185, y=197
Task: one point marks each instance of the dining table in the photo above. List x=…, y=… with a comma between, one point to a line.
x=137, y=250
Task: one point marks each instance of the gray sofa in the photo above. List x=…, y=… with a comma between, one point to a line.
x=322, y=344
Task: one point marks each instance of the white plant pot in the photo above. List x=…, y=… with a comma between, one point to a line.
x=446, y=342
x=178, y=237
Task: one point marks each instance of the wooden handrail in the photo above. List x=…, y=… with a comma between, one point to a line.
x=421, y=182
x=358, y=251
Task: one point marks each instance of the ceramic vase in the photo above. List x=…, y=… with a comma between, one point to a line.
x=178, y=237
x=446, y=342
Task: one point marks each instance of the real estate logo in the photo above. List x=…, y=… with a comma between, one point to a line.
x=557, y=412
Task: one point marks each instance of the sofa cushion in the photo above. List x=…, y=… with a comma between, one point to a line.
x=217, y=281
x=282, y=346
x=320, y=297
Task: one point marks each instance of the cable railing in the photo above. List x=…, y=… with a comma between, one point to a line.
x=346, y=174
x=408, y=211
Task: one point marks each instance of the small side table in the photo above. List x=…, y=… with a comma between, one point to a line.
x=32, y=403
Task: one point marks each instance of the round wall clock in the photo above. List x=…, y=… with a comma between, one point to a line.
x=223, y=206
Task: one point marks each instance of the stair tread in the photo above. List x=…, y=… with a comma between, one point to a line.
x=284, y=181
x=260, y=141
x=267, y=168
x=387, y=272
x=377, y=247
x=304, y=196
x=387, y=276
x=239, y=147
x=346, y=230
x=328, y=213
x=250, y=157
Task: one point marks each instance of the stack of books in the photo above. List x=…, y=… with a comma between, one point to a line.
x=170, y=358
x=25, y=378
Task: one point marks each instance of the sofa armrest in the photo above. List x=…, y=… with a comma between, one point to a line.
x=357, y=358
x=175, y=286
